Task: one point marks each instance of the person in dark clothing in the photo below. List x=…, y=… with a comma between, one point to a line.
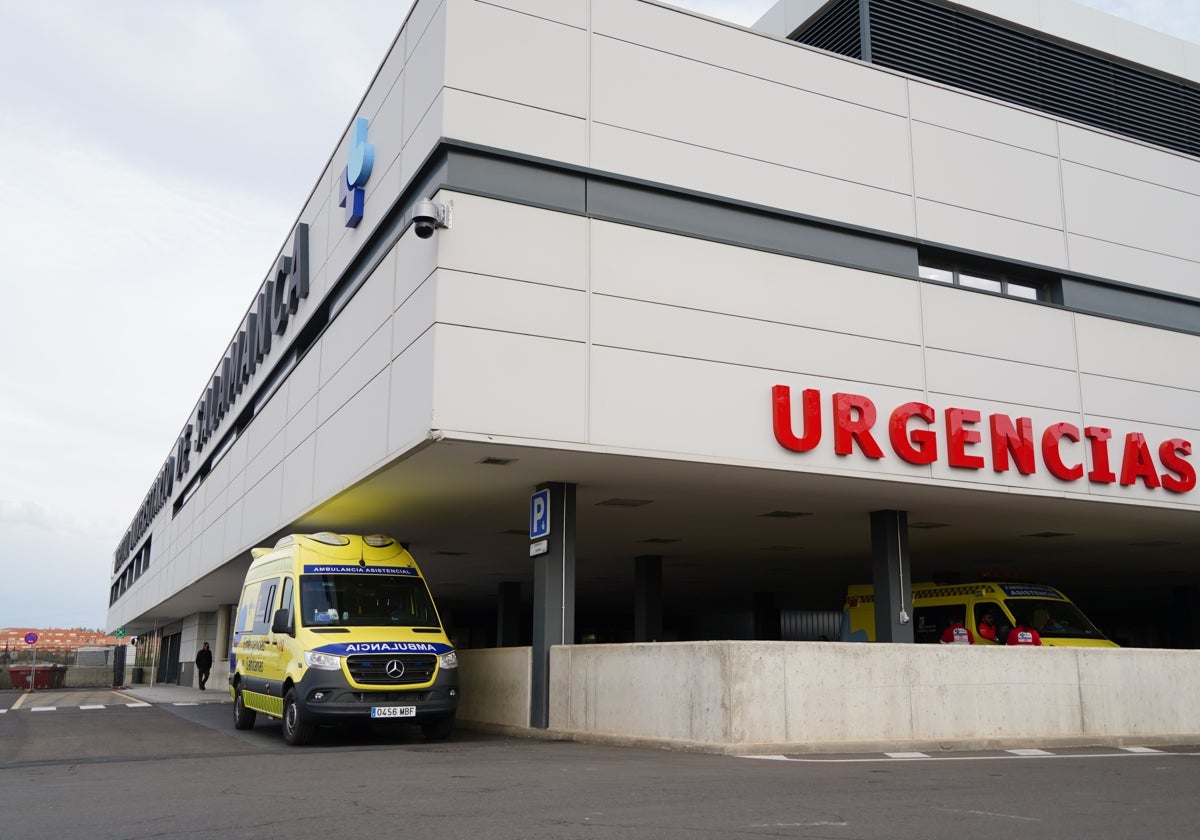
x=203, y=664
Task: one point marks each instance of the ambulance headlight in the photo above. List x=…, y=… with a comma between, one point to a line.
x=448, y=660
x=322, y=661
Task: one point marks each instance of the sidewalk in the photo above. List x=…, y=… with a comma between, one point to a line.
x=168, y=693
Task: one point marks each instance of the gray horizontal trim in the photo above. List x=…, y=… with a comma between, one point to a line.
x=1130, y=305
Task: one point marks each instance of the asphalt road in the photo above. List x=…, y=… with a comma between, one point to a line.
x=120, y=770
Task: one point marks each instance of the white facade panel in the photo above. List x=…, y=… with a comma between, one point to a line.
x=698, y=274
x=723, y=45
x=495, y=303
x=1141, y=402
x=410, y=398
x=298, y=467
x=425, y=68
x=979, y=324
x=745, y=342
x=302, y=383
x=1140, y=354
x=353, y=377
x=501, y=124
x=985, y=233
x=982, y=118
x=1123, y=210
x=507, y=240
x=974, y=173
x=1097, y=150
x=548, y=70
x=716, y=109
x=359, y=319
x=499, y=383
x=570, y=12
x=1134, y=266
x=353, y=440
x=999, y=380
x=261, y=514
x=300, y=427
x=749, y=179
x=415, y=317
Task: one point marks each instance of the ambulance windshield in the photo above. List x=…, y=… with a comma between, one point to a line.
x=1053, y=619
x=356, y=600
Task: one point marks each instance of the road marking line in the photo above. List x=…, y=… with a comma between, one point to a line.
x=3, y=711
x=44, y=709
x=185, y=704
x=1029, y=752
x=906, y=755
x=1140, y=750
x=138, y=705
x=91, y=707
x=769, y=757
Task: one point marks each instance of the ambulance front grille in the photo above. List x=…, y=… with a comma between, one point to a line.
x=392, y=668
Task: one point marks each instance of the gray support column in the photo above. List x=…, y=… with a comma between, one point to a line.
x=766, y=617
x=508, y=614
x=892, y=576
x=647, y=598
x=221, y=643
x=553, y=597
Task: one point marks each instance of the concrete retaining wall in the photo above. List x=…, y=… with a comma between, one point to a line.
x=494, y=687
x=808, y=696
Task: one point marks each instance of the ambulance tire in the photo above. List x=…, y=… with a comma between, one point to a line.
x=243, y=718
x=296, y=732
x=439, y=729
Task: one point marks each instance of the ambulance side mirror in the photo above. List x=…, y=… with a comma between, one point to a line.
x=282, y=623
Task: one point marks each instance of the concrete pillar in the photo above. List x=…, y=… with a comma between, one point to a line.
x=508, y=614
x=892, y=576
x=221, y=641
x=553, y=597
x=647, y=598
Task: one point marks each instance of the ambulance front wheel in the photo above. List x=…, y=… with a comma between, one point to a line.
x=243, y=718
x=296, y=731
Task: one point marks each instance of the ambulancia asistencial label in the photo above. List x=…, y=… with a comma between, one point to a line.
x=328, y=569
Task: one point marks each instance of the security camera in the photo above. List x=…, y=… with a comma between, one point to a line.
x=427, y=217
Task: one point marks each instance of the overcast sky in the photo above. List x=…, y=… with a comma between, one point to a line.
x=154, y=155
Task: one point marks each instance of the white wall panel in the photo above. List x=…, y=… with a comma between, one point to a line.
x=1141, y=402
x=300, y=427
x=422, y=142
x=747, y=342
x=694, y=273
x=748, y=53
x=415, y=318
x=362, y=368
x=979, y=174
x=359, y=319
x=233, y=529
x=1129, y=159
x=1140, y=354
x=508, y=240
x=1136, y=266
x=261, y=513
x=985, y=118
x=518, y=57
x=500, y=124
x=266, y=459
x=988, y=325
x=415, y=261
x=410, y=401
x=303, y=381
x=972, y=230
x=643, y=90
x=504, y=384
x=495, y=303
x=1123, y=210
x=425, y=70
x=353, y=440
x=981, y=377
x=742, y=178
x=298, y=467
x=570, y=12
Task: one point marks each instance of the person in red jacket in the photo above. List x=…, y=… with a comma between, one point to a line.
x=1024, y=634
x=957, y=634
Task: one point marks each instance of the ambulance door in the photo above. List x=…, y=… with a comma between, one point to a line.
x=276, y=648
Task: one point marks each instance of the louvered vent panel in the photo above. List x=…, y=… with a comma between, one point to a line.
x=981, y=55
x=838, y=30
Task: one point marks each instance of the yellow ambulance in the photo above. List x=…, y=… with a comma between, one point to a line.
x=989, y=609
x=336, y=628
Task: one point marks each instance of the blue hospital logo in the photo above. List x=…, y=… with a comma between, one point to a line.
x=356, y=173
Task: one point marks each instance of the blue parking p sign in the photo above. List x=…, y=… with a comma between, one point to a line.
x=539, y=515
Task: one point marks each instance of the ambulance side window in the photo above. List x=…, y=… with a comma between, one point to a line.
x=285, y=600
x=266, y=603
